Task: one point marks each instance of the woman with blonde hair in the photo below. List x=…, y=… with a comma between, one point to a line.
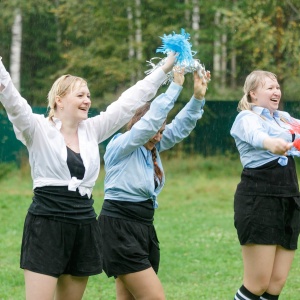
x=266, y=201
x=61, y=244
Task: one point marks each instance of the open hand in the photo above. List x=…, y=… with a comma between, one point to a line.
x=200, y=85
x=178, y=75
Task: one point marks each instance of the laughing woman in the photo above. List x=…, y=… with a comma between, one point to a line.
x=61, y=244
x=266, y=201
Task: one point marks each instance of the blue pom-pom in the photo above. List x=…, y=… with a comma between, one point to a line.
x=178, y=43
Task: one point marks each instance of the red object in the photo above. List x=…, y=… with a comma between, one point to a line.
x=294, y=124
x=297, y=144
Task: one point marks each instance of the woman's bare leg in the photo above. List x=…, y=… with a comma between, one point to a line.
x=266, y=268
x=143, y=285
x=39, y=286
x=70, y=287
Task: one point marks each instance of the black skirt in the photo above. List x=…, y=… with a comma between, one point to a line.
x=53, y=248
x=128, y=246
x=130, y=242
x=266, y=205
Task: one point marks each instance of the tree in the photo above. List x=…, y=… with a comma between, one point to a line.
x=15, y=54
x=266, y=36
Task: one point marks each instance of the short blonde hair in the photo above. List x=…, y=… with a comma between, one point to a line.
x=62, y=86
x=252, y=82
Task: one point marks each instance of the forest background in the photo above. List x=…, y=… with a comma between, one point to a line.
x=109, y=43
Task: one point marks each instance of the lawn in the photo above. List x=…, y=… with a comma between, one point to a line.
x=200, y=253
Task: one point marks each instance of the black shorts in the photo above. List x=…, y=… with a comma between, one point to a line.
x=54, y=248
x=267, y=220
x=128, y=246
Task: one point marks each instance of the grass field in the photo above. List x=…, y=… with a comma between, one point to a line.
x=200, y=253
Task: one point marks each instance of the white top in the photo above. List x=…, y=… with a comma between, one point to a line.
x=46, y=145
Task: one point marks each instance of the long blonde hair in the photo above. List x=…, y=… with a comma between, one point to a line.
x=62, y=86
x=253, y=80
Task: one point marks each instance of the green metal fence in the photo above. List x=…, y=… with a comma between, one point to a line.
x=210, y=137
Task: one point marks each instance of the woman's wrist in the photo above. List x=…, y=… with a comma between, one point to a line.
x=199, y=97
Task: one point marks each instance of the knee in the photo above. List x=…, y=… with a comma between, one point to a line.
x=276, y=284
x=258, y=287
x=273, y=285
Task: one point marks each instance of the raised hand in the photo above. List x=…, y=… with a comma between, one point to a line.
x=178, y=75
x=169, y=62
x=200, y=85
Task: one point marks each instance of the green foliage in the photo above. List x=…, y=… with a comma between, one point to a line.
x=92, y=38
x=266, y=34
x=6, y=169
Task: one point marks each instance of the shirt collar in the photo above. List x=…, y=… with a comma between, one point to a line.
x=262, y=111
x=57, y=123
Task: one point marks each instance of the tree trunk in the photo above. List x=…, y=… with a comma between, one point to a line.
x=233, y=70
x=223, y=60
x=15, y=51
x=187, y=13
x=138, y=34
x=217, y=51
x=131, y=51
x=196, y=22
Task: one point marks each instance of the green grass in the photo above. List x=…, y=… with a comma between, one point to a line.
x=200, y=253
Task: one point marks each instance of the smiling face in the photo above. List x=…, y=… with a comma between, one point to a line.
x=267, y=94
x=76, y=103
x=73, y=102
x=155, y=139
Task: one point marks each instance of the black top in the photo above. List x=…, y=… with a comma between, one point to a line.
x=75, y=164
x=58, y=203
x=142, y=212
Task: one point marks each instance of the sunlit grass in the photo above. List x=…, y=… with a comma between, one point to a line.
x=200, y=254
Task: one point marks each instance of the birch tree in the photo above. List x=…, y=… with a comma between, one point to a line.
x=267, y=35
x=196, y=22
x=138, y=34
x=16, y=46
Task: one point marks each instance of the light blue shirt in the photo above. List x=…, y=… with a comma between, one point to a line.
x=249, y=130
x=129, y=165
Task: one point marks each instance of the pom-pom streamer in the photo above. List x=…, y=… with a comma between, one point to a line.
x=296, y=144
x=190, y=67
x=178, y=43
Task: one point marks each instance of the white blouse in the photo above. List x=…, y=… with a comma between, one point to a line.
x=46, y=145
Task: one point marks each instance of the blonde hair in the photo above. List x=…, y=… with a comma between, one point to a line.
x=62, y=86
x=252, y=82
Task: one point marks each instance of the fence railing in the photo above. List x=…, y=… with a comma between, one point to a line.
x=210, y=137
